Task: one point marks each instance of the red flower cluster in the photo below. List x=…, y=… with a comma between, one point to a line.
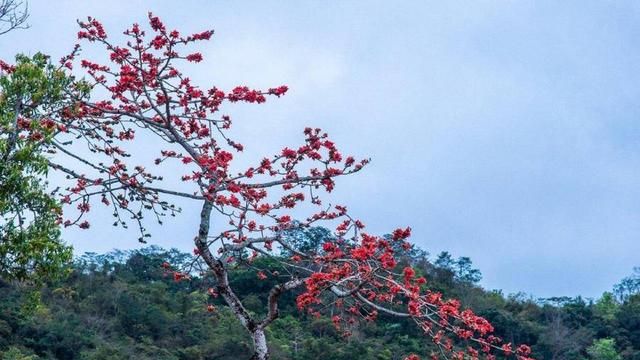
x=364, y=274
x=148, y=90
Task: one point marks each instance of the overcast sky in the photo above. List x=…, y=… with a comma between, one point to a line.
x=503, y=131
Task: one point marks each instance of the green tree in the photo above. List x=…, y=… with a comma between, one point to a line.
x=30, y=244
x=465, y=272
x=603, y=349
x=628, y=286
x=606, y=307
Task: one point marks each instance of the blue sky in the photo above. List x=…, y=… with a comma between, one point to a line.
x=504, y=131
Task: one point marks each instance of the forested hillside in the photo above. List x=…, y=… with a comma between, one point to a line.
x=125, y=305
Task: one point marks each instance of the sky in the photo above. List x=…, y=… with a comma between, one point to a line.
x=500, y=130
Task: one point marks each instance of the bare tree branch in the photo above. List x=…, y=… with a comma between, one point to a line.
x=13, y=15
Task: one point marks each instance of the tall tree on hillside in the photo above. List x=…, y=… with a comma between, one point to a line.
x=628, y=286
x=151, y=107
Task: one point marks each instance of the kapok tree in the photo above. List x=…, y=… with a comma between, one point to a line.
x=150, y=106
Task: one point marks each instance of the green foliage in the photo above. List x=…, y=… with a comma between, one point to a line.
x=607, y=307
x=603, y=349
x=628, y=322
x=14, y=353
x=30, y=245
x=460, y=270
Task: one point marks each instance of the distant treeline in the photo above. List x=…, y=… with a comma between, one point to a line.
x=122, y=305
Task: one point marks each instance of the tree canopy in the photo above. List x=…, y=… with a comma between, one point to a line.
x=30, y=245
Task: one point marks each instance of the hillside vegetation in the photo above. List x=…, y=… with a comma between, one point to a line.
x=122, y=305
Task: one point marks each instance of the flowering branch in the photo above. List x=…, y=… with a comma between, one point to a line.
x=151, y=106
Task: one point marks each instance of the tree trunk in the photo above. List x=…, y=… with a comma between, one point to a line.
x=260, y=350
